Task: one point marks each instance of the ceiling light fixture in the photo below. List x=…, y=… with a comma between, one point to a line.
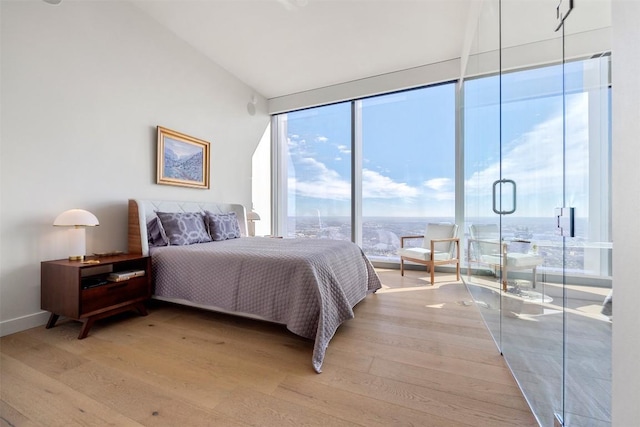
x=53, y=2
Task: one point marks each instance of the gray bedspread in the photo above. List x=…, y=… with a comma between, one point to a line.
x=310, y=285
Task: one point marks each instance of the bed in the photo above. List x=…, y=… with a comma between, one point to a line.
x=309, y=285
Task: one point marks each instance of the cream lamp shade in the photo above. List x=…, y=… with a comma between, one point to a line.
x=78, y=219
x=252, y=217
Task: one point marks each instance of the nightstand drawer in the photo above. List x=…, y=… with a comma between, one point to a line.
x=114, y=293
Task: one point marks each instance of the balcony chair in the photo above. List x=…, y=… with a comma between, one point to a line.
x=439, y=246
x=486, y=247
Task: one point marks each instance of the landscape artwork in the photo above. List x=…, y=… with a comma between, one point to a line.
x=182, y=159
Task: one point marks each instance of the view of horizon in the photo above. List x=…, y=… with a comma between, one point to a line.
x=404, y=155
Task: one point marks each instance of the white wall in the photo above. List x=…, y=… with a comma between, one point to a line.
x=84, y=85
x=626, y=209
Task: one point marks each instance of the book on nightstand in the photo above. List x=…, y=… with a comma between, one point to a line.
x=124, y=275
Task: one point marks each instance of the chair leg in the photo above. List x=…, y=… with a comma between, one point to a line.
x=505, y=280
x=401, y=266
x=458, y=271
x=432, y=270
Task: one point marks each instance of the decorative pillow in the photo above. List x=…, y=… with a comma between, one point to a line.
x=156, y=234
x=184, y=228
x=223, y=226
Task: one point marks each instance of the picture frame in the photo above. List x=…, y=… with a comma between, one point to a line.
x=182, y=159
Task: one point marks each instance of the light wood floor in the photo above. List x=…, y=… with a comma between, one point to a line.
x=414, y=355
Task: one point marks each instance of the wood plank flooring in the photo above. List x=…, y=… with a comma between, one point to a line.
x=415, y=355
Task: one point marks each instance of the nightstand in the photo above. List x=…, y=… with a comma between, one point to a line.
x=84, y=291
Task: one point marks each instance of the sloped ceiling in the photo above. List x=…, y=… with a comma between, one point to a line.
x=282, y=47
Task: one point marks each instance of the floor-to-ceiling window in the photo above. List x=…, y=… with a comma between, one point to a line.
x=404, y=145
x=408, y=171
x=316, y=154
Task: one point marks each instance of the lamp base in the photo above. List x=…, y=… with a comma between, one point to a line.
x=77, y=244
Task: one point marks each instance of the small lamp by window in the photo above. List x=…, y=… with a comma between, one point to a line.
x=78, y=219
x=252, y=217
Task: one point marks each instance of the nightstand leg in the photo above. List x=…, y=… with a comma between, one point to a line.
x=141, y=309
x=52, y=320
x=87, y=324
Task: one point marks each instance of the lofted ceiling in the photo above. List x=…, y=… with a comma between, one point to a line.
x=282, y=47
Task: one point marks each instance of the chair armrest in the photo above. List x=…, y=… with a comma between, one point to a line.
x=450, y=239
x=492, y=242
x=456, y=240
x=499, y=243
x=402, y=239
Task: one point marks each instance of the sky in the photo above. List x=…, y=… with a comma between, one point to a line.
x=402, y=134
x=180, y=148
x=408, y=154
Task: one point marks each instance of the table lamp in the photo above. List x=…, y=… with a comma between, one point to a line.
x=252, y=217
x=78, y=219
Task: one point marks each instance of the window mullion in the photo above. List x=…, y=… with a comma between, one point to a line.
x=356, y=172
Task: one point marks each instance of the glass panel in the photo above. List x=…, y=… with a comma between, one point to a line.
x=588, y=189
x=482, y=170
x=481, y=136
x=408, y=141
x=318, y=179
x=532, y=301
x=532, y=152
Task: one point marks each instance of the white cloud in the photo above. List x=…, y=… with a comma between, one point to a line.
x=440, y=189
x=344, y=149
x=438, y=184
x=321, y=139
x=535, y=162
x=318, y=181
x=375, y=185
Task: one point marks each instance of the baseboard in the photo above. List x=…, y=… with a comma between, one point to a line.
x=19, y=324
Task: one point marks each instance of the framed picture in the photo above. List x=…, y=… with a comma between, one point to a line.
x=182, y=159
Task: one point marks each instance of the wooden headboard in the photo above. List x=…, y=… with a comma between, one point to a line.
x=143, y=211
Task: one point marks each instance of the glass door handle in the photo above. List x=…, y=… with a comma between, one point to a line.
x=513, y=193
x=566, y=223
